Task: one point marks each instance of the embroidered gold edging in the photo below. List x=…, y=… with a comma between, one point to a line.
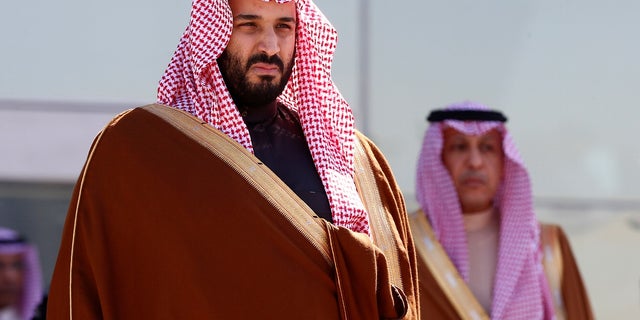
x=379, y=219
x=445, y=273
x=342, y=306
x=552, y=261
x=259, y=176
x=75, y=218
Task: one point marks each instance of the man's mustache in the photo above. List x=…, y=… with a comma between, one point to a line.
x=261, y=57
x=473, y=175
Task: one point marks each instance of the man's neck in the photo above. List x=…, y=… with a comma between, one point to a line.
x=482, y=229
x=479, y=219
x=256, y=114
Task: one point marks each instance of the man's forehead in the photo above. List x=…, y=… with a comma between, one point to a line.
x=261, y=7
x=450, y=132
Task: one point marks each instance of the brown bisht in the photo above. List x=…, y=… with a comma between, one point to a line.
x=444, y=294
x=171, y=219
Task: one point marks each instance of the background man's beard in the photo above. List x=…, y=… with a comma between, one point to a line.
x=245, y=93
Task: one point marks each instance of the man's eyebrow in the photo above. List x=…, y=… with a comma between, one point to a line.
x=247, y=17
x=288, y=19
x=258, y=17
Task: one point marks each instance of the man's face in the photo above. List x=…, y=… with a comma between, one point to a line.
x=258, y=61
x=11, y=278
x=475, y=165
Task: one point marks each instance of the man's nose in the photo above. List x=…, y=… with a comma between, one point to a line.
x=475, y=158
x=269, y=42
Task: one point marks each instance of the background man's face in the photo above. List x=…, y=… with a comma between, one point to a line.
x=11, y=278
x=475, y=164
x=258, y=61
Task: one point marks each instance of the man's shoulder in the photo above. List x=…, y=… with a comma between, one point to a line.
x=161, y=110
x=154, y=117
x=552, y=228
x=132, y=114
x=362, y=137
x=368, y=144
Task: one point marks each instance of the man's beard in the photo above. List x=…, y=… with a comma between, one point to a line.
x=245, y=93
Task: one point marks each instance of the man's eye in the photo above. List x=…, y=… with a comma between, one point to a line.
x=284, y=26
x=488, y=147
x=247, y=25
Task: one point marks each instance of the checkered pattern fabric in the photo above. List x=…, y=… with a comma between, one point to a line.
x=520, y=289
x=193, y=82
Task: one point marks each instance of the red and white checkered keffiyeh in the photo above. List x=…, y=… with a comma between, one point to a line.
x=11, y=243
x=193, y=83
x=520, y=288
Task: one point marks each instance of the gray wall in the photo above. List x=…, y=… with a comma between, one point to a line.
x=565, y=72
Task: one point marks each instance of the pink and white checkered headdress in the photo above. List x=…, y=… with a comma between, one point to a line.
x=12, y=243
x=520, y=288
x=193, y=83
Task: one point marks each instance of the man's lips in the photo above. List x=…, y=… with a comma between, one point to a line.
x=473, y=181
x=266, y=69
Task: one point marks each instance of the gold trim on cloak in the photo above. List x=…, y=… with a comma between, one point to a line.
x=552, y=261
x=445, y=273
x=380, y=221
x=252, y=170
